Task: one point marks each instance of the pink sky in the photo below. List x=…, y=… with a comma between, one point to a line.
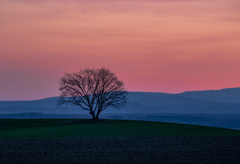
x=152, y=45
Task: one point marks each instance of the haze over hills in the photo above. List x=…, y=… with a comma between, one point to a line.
x=231, y=95
x=218, y=108
x=210, y=101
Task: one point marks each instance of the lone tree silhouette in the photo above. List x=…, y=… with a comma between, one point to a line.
x=93, y=90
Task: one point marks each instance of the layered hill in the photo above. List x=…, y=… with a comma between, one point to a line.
x=195, y=102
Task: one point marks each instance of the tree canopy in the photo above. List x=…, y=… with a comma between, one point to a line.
x=93, y=90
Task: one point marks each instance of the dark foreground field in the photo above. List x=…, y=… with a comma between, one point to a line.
x=122, y=150
x=114, y=141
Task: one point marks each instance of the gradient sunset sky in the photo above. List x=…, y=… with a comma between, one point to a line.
x=152, y=45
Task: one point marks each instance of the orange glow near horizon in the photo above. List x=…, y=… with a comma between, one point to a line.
x=152, y=45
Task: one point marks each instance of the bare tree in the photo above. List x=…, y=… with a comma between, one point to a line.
x=93, y=90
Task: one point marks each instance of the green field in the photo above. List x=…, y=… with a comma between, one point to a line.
x=64, y=128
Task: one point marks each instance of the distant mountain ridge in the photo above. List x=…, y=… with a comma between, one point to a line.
x=209, y=101
x=231, y=95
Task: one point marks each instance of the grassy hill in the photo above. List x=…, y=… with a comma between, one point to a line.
x=65, y=128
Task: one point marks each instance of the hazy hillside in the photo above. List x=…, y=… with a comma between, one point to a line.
x=221, y=101
x=176, y=103
x=231, y=95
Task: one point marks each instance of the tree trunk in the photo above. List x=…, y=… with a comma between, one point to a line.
x=99, y=111
x=93, y=115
